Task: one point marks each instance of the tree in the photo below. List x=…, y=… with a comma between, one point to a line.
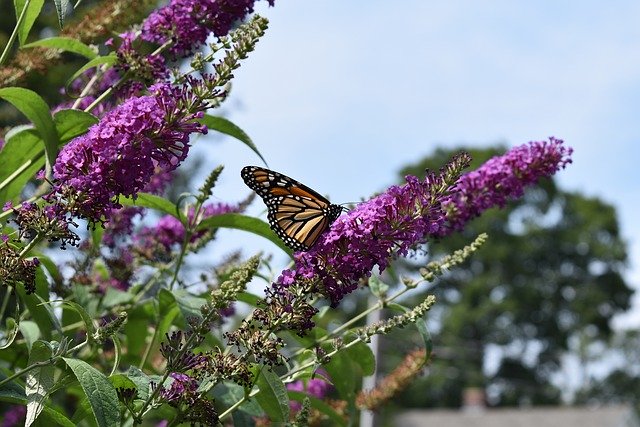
x=550, y=273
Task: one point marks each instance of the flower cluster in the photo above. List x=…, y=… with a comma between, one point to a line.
x=188, y=23
x=370, y=234
x=503, y=178
x=402, y=217
x=169, y=231
x=183, y=394
x=119, y=155
x=16, y=270
x=50, y=222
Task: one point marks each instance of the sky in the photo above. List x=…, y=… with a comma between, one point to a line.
x=342, y=94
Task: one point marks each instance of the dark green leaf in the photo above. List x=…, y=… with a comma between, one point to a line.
x=72, y=123
x=36, y=110
x=151, y=201
x=362, y=355
x=344, y=375
x=21, y=158
x=40, y=312
x=246, y=223
x=227, y=127
x=248, y=298
x=272, y=397
x=188, y=304
x=141, y=381
x=231, y=393
x=101, y=394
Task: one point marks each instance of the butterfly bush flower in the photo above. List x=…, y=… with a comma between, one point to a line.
x=188, y=23
x=169, y=231
x=119, y=155
x=120, y=220
x=315, y=387
x=14, y=416
x=392, y=223
x=503, y=178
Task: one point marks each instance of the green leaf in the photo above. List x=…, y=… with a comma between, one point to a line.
x=344, y=375
x=50, y=416
x=188, y=304
x=248, y=298
x=40, y=313
x=227, y=127
x=10, y=335
x=122, y=381
x=422, y=329
x=66, y=44
x=113, y=297
x=36, y=110
x=272, y=397
x=141, y=381
x=39, y=381
x=101, y=394
x=362, y=355
x=86, y=319
x=95, y=62
x=72, y=123
x=318, y=404
x=426, y=337
x=30, y=15
x=61, y=9
x=151, y=201
x=21, y=158
x=137, y=328
x=378, y=287
x=246, y=223
x=230, y=393
x=11, y=391
x=30, y=332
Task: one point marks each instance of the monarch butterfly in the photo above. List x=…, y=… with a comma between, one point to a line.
x=297, y=214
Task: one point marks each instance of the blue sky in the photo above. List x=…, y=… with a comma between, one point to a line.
x=340, y=95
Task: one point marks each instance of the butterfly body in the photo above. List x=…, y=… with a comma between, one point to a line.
x=298, y=214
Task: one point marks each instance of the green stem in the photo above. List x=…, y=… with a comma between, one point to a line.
x=8, y=180
x=29, y=368
x=14, y=34
x=5, y=301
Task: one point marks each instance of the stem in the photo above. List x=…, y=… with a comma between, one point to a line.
x=14, y=33
x=5, y=302
x=29, y=368
x=85, y=91
x=8, y=180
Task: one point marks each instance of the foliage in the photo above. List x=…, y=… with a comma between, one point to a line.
x=115, y=332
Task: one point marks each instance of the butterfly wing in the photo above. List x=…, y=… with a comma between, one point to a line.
x=297, y=214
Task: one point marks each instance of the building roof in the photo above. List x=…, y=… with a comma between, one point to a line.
x=603, y=416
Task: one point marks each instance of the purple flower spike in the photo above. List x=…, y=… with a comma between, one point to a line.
x=118, y=156
x=189, y=22
x=390, y=224
x=503, y=178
